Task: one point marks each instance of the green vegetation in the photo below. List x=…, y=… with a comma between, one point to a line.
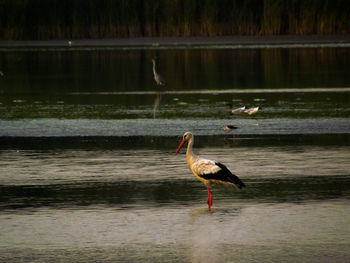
x=76, y=19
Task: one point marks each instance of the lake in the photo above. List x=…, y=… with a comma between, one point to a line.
x=88, y=171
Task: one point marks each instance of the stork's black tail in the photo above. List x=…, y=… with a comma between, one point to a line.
x=230, y=177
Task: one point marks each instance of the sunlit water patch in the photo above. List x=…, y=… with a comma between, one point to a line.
x=169, y=127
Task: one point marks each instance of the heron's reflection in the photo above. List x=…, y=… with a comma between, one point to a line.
x=157, y=103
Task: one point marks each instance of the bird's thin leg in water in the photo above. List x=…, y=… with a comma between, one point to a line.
x=210, y=199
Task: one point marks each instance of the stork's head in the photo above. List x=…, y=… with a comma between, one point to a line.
x=187, y=136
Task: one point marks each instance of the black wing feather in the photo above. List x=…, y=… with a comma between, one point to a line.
x=224, y=175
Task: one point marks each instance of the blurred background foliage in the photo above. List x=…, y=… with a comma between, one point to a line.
x=94, y=19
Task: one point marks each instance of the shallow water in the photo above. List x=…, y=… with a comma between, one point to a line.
x=144, y=205
x=88, y=170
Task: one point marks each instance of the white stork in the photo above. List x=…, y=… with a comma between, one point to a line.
x=207, y=171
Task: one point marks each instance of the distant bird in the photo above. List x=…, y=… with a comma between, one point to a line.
x=229, y=127
x=207, y=171
x=238, y=110
x=157, y=77
x=69, y=43
x=2, y=74
x=252, y=111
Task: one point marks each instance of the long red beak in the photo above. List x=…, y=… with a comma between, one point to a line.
x=180, y=146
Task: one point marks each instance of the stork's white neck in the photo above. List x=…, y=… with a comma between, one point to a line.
x=190, y=156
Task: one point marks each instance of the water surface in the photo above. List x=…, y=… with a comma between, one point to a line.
x=88, y=170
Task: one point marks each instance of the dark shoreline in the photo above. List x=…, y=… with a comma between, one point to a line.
x=180, y=41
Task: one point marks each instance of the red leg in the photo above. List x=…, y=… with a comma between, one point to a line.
x=210, y=199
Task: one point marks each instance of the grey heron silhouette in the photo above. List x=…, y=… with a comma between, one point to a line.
x=157, y=77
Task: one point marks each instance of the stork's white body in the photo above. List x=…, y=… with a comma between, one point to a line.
x=200, y=167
